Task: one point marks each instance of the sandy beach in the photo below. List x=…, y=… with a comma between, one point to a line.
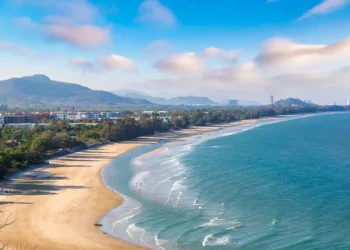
x=57, y=207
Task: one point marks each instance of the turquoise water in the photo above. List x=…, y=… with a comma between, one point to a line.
x=279, y=186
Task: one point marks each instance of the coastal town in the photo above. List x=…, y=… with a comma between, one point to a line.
x=174, y=125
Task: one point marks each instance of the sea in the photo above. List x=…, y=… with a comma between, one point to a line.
x=271, y=184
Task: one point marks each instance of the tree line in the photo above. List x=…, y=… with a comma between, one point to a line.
x=21, y=148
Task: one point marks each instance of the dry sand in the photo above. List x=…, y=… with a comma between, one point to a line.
x=57, y=207
x=59, y=211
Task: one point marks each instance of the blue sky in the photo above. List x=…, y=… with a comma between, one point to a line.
x=222, y=49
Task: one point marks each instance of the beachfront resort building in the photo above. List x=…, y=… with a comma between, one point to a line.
x=74, y=116
x=160, y=113
x=16, y=119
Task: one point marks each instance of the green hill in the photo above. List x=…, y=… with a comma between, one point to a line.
x=41, y=90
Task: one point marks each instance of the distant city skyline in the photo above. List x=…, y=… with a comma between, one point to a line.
x=179, y=48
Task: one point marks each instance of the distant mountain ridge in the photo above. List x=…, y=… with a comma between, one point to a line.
x=293, y=102
x=181, y=100
x=41, y=90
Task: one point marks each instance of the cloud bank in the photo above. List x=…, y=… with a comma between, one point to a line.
x=105, y=63
x=283, y=52
x=68, y=21
x=183, y=63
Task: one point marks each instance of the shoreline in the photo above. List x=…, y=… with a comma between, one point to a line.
x=61, y=204
x=130, y=206
x=110, y=217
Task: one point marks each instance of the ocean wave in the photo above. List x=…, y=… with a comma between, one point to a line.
x=180, y=173
x=127, y=216
x=217, y=146
x=196, y=204
x=171, y=160
x=133, y=229
x=176, y=186
x=178, y=199
x=211, y=240
x=160, y=242
x=137, y=161
x=222, y=222
x=273, y=222
x=138, y=234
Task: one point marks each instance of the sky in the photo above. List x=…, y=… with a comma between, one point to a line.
x=224, y=49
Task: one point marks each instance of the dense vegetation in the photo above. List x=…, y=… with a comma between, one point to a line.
x=21, y=148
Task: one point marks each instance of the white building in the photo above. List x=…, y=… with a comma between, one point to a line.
x=161, y=113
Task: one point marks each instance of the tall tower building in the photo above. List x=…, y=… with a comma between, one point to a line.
x=272, y=100
x=349, y=102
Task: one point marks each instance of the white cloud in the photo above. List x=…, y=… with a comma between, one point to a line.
x=116, y=62
x=181, y=64
x=191, y=62
x=18, y=49
x=68, y=21
x=81, y=36
x=246, y=72
x=229, y=56
x=326, y=6
x=152, y=11
x=105, y=63
x=285, y=53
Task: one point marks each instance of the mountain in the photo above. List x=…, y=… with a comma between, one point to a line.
x=293, y=102
x=157, y=100
x=41, y=90
x=191, y=100
x=182, y=100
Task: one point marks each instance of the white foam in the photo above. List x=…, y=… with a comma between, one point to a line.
x=178, y=199
x=160, y=242
x=171, y=160
x=180, y=173
x=131, y=229
x=126, y=217
x=211, y=240
x=214, y=222
x=221, y=222
x=196, y=204
x=273, y=222
x=177, y=186
x=137, y=233
x=137, y=162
